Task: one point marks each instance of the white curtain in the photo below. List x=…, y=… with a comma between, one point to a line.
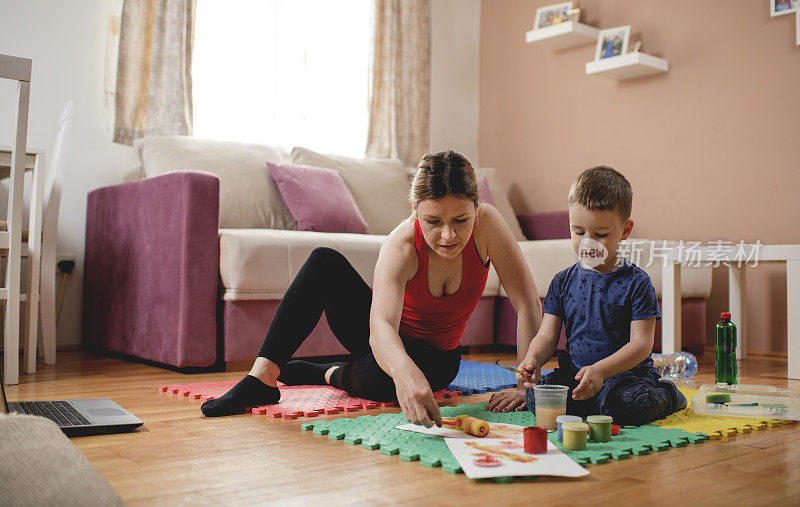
x=154, y=86
x=400, y=93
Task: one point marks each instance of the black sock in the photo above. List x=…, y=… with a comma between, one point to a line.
x=303, y=373
x=249, y=392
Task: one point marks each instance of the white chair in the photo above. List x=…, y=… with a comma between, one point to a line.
x=41, y=242
x=17, y=69
x=51, y=205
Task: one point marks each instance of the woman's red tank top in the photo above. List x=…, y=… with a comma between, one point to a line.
x=440, y=321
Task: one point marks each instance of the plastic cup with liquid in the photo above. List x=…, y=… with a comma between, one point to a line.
x=551, y=402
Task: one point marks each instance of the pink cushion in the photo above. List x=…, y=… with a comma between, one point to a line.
x=485, y=195
x=317, y=199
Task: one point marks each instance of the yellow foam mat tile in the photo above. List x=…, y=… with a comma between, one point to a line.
x=714, y=426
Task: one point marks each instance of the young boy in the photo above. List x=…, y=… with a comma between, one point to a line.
x=609, y=308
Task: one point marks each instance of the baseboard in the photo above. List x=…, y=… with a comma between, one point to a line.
x=59, y=348
x=217, y=366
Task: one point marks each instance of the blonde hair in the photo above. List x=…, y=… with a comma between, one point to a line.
x=603, y=188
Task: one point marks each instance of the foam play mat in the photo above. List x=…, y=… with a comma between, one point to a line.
x=296, y=401
x=379, y=433
x=479, y=378
x=713, y=425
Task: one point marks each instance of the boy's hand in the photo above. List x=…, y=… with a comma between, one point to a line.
x=591, y=381
x=531, y=371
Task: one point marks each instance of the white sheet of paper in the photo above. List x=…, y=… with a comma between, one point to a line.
x=496, y=430
x=554, y=462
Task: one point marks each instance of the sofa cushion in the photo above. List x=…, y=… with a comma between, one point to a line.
x=550, y=225
x=248, y=196
x=317, y=199
x=501, y=201
x=485, y=193
x=261, y=263
x=39, y=465
x=379, y=186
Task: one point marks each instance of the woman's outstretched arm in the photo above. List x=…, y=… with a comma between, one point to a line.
x=397, y=263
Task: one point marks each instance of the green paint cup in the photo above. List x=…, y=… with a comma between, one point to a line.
x=599, y=428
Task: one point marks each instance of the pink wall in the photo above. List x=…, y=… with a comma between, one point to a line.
x=712, y=148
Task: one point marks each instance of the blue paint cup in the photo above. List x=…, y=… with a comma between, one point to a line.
x=564, y=419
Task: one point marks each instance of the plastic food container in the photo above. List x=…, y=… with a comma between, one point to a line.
x=742, y=400
x=575, y=434
x=564, y=419
x=551, y=402
x=599, y=428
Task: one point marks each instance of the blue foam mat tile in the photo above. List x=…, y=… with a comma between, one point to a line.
x=478, y=378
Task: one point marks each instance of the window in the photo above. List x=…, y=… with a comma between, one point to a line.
x=283, y=72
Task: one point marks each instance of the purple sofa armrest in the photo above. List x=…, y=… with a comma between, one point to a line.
x=552, y=225
x=152, y=269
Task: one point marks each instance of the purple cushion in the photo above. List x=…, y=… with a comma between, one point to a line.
x=484, y=193
x=317, y=199
x=552, y=225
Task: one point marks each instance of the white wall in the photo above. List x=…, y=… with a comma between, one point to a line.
x=455, y=46
x=66, y=41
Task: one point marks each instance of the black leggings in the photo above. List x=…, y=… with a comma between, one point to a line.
x=328, y=282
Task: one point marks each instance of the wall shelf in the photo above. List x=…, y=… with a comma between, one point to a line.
x=627, y=66
x=563, y=35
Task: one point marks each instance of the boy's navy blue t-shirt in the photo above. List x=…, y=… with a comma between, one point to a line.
x=597, y=309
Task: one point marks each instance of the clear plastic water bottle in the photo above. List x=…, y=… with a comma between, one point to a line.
x=679, y=365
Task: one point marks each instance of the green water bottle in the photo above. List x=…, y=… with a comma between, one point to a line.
x=725, y=367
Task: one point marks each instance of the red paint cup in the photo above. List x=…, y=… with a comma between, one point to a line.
x=535, y=439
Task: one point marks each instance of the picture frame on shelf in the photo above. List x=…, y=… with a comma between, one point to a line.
x=552, y=15
x=781, y=7
x=612, y=42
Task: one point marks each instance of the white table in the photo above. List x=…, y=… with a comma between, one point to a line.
x=737, y=285
x=34, y=163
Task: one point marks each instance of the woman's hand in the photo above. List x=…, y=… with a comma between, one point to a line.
x=505, y=401
x=416, y=399
x=531, y=371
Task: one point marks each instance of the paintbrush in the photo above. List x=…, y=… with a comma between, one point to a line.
x=511, y=368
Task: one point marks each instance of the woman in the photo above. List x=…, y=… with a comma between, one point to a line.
x=404, y=334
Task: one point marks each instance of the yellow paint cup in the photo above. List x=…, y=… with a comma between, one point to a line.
x=574, y=435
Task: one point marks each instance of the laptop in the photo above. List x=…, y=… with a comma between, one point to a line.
x=76, y=417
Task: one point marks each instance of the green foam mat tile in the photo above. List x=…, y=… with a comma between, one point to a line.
x=379, y=433
x=632, y=441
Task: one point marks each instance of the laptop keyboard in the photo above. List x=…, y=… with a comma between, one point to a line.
x=60, y=412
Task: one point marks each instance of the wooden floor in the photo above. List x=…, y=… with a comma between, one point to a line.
x=181, y=458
